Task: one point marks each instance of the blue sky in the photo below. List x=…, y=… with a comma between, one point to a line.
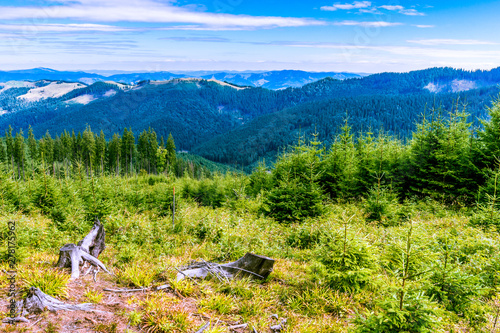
x=325, y=35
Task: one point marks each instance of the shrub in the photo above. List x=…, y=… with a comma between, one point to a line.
x=381, y=205
x=348, y=262
x=417, y=315
x=293, y=200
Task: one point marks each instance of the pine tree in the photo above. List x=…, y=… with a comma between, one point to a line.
x=171, y=155
x=340, y=166
x=9, y=142
x=152, y=149
x=19, y=154
x=440, y=163
x=114, y=152
x=3, y=156
x=32, y=145
x=100, y=151
x=489, y=138
x=46, y=147
x=88, y=148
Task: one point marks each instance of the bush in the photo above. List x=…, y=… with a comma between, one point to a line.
x=348, y=263
x=46, y=196
x=293, y=201
x=418, y=315
x=381, y=205
x=206, y=192
x=304, y=236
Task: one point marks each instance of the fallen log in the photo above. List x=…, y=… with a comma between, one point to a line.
x=88, y=249
x=250, y=265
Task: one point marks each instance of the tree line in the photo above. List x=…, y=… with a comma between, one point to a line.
x=123, y=154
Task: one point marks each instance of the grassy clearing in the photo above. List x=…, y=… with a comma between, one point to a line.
x=337, y=272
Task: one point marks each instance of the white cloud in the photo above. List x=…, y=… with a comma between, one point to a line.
x=379, y=24
x=402, y=10
x=347, y=6
x=424, y=26
x=150, y=11
x=59, y=27
x=451, y=42
x=389, y=7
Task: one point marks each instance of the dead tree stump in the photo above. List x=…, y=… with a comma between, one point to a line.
x=88, y=249
x=250, y=265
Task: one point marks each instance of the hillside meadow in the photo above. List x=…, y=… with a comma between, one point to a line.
x=432, y=272
x=369, y=234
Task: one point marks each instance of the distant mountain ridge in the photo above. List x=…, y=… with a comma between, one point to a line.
x=270, y=79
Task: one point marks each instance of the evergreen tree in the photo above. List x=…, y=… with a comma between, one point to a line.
x=100, y=151
x=32, y=145
x=114, y=152
x=19, y=154
x=440, y=162
x=340, y=166
x=46, y=147
x=3, y=156
x=171, y=155
x=489, y=138
x=9, y=142
x=152, y=150
x=88, y=149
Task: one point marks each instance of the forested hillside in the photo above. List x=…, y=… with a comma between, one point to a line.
x=231, y=124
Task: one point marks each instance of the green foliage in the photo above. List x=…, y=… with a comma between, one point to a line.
x=51, y=281
x=381, y=205
x=305, y=236
x=47, y=196
x=348, y=262
x=206, y=192
x=295, y=193
x=487, y=214
x=292, y=201
x=418, y=315
x=441, y=159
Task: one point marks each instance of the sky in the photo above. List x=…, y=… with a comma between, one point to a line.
x=252, y=35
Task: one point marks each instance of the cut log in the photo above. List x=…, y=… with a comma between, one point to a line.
x=71, y=255
x=250, y=265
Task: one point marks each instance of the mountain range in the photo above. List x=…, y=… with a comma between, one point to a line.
x=240, y=125
x=270, y=80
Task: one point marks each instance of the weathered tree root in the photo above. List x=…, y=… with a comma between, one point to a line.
x=88, y=249
x=37, y=301
x=250, y=265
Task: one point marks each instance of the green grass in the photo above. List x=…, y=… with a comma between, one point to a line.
x=449, y=258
